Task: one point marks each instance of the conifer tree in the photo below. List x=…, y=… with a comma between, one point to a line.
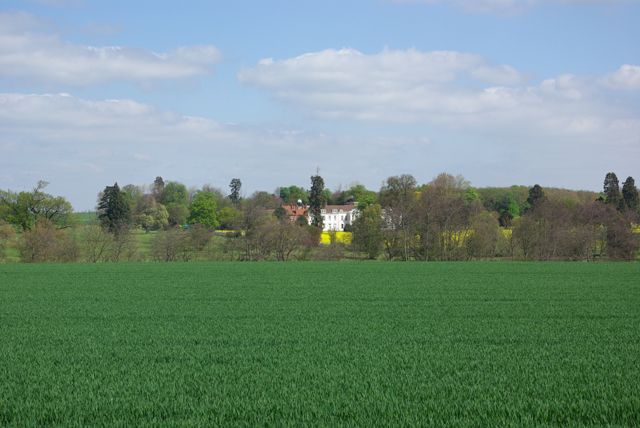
x=316, y=200
x=536, y=197
x=234, y=188
x=612, y=190
x=630, y=194
x=113, y=210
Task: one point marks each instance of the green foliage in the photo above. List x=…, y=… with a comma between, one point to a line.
x=84, y=218
x=316, y=200
x=154, y=216
x=7, y=234
x=471, y=195
x=320, y=344
x=229, y=217
x=367, y=231
x=398, y=191
x=630, y=194
x=25, y=209
x=327, y=196
x=612, y=190
x=536, y=197
x=234, y=190
x=178, y=214
x=302, y=221
x=507, y=202
x=357, y=194
x=173, y=194
x=204, y=210
x=157, y=188
x=291, y=194
x=132, y=194
x=485, y=236
x=280, y=213
x=114, y=211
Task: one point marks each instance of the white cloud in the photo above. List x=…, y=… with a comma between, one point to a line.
x=400, y=85
x=389, y=69
x=451, y=89
x=626, y=77
x=30, y=51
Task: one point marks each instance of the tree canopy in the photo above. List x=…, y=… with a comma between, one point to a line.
x=24, y=209
x=203, y=210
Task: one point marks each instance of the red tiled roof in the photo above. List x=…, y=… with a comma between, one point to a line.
x=293, y=210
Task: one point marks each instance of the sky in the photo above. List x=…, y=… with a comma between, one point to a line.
x=502, y=92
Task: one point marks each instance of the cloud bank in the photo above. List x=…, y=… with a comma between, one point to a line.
x=454, y=90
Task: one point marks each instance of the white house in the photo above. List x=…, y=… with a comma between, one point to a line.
x=336, y=217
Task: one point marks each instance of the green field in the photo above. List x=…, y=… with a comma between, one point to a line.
x=368, y=344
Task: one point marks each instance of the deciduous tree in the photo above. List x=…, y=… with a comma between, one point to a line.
x=367, y=231
x=397, y=197
x=203, y=210
x=45, y=242
x=24, y=209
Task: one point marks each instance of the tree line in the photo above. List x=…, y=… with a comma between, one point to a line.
x=445, y=219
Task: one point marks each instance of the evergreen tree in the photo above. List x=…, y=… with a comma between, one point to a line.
x=158, y=188
x=536, y=197
x=612, y=190
x=113, y=210
x=234, y=187
x=316, y=200
x=630, y=194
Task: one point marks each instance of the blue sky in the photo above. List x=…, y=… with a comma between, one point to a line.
x=501, y=91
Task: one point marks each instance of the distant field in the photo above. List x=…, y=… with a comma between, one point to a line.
x=85, y=217
x=369, y=344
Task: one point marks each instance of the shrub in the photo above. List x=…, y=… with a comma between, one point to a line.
x=46, y=243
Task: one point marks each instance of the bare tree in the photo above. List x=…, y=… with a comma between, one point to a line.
x=46, y=243
x=96, y=244
x=442, y=219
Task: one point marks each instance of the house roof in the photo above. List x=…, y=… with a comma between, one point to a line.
x=295, y=210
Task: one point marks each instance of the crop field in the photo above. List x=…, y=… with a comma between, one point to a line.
x=330, y=344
